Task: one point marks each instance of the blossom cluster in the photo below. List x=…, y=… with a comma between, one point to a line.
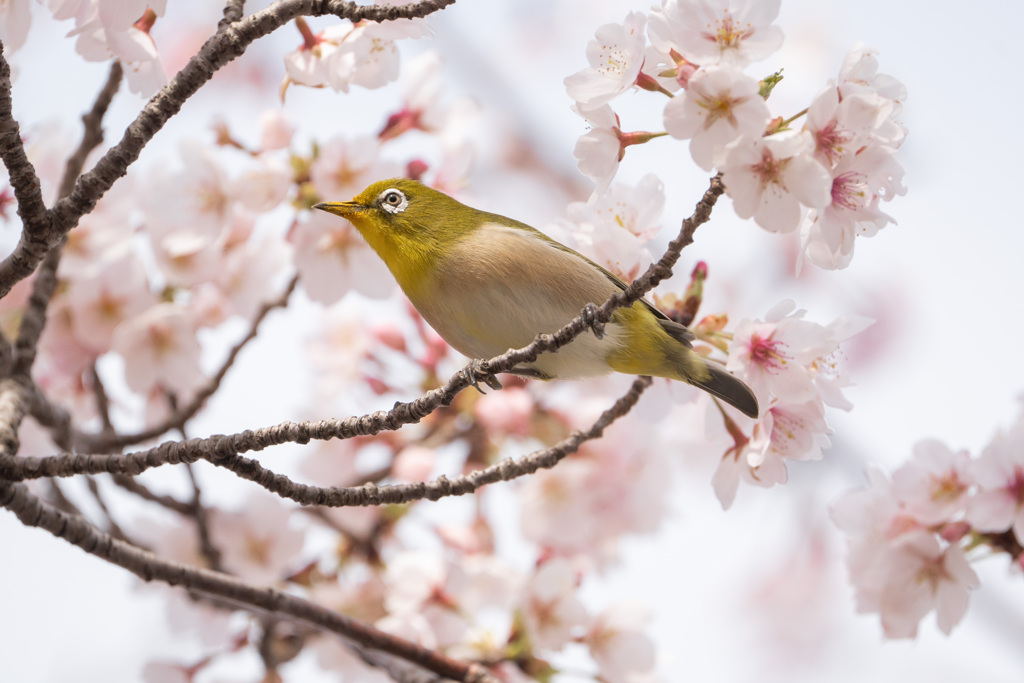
x=911, y=536
x=826, y=178
x=793, y=367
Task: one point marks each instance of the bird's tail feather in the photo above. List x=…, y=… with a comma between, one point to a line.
x=721, y=384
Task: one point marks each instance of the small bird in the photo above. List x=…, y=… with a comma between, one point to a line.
x=487, y=284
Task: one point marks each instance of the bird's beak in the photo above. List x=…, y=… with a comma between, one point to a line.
x=343, y=209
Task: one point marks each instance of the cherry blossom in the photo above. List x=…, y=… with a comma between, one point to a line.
x=599, y=150
x=781, y=356
x=769, y=178
x=159, y=347
x=132, y=46
x=100, y=303
x=618, y=643
x=258, y=542
x=345, y=166
x=264, y=185
x=615, y=55
x=705, y=32
x=934, y=484
x=859, y=182
x=332, y=260
x=15, y=19
x=276, y=130
x=998, y=504
x=921, y=576
x=720, y=104
x=552, y=611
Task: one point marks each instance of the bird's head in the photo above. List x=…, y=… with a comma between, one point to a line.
x=407, y=223
x=402, y=210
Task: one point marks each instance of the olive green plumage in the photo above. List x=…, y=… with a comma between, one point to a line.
x=487, y=283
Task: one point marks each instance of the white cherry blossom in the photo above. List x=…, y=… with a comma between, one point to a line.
x=720, y=104
x=769, y=178
x=734, y=32
x=615, y=55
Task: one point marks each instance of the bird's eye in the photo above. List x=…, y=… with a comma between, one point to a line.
x=392, y=200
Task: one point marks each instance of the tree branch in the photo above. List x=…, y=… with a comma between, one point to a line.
x=35, y=220
x=43, y=231
x=219, y=449
x=233, y=11
x=149, y=567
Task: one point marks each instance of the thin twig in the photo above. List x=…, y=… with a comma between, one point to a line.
x=149, y=567
x=132, y=485
x=199, y=514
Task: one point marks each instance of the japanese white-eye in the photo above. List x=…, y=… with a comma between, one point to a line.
x=487, y=284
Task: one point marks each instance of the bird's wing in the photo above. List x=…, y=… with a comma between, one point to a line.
x=678, y=332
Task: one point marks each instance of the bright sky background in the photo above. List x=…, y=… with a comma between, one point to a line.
x=941, y=284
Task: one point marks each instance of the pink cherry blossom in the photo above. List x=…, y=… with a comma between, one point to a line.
x=998, y=504
x=618, y=643
x=734, y=32
x=259, y=542
x=934, y=484
x=506, y=412
x=264, y=185
x=332, y=260
x=859, y=182
x=248, y=276
x=276, y=130
x=345, y=166
x=720, y=104
x=921, y=576
x=781, y=356
x=100, y=303
x=15, y=19
x=615, y=55
x=159, y=347
x=552, y=611
x=769, y=178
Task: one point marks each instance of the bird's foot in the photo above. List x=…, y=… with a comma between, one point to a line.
x=475, y=373
x=591, y=316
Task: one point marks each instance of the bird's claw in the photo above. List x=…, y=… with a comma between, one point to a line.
x=475, y=373
x=591, y=317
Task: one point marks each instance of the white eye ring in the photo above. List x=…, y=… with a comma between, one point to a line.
x=392, y=200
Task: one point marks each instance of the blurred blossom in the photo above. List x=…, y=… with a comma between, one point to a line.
x=611, y=487
x=265, y=184
x=346, y=166
x=998, y=504
x=258, y=542
x=159, y=348
x=333, y=260
x=552, y=611
x=898, y=568
x=618, y=643
x=100, y=303
x=506, y=412
x=276, y=130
